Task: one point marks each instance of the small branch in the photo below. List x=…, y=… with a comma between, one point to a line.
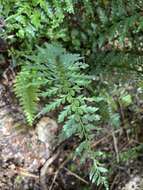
x=77, y=176
x=44, y=170
x=24, y=172
x=114, y=181
x=104, y=138
x=115, y=145
x=57, y=172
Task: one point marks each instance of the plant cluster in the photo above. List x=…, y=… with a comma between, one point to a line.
x=104, y=91
x=57, y=76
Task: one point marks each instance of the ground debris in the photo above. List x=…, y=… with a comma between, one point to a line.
x=22, y=154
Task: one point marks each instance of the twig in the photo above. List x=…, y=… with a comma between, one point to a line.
x=57, y=172
x=115, y=145
x=122, y=114
x=104, y=138
x=44, y=170
x=5, y=73
x=77, y=176
x=114, y=181
x=24, y=172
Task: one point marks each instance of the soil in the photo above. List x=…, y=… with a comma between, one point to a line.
x=21, y=153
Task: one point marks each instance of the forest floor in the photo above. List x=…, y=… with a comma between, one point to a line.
x=27, y=163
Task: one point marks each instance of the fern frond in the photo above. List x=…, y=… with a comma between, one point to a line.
x=63, y=85
x=64, y=113
x=53, y=105
x=27, y=92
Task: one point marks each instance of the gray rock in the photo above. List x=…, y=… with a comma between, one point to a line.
x=135, y=183
x=46, y=130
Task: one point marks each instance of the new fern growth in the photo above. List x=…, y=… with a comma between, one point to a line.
x=26, y=89
x=64, y=88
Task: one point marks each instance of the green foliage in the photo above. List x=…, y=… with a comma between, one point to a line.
x=27, y=89
x=27, y=23
x=132, y=153
x=108, y=33
x=27, y=20
x=98, y=172
x=95, y=174
x=93, y=28
x=63, y=86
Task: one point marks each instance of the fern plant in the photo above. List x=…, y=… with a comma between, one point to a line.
x=62, y=83
x=27, y=88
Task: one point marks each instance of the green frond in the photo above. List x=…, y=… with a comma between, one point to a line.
x=64, y=114
x=61, y=78
x=69, y=128
x=51, y=92
x=53, y=105
x=27, y=92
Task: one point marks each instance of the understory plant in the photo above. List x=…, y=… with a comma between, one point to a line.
x=108, y=33
x=57, y=77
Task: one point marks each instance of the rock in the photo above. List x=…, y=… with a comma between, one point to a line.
x=19, y=147
x=46, y=130
x=135, y=183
